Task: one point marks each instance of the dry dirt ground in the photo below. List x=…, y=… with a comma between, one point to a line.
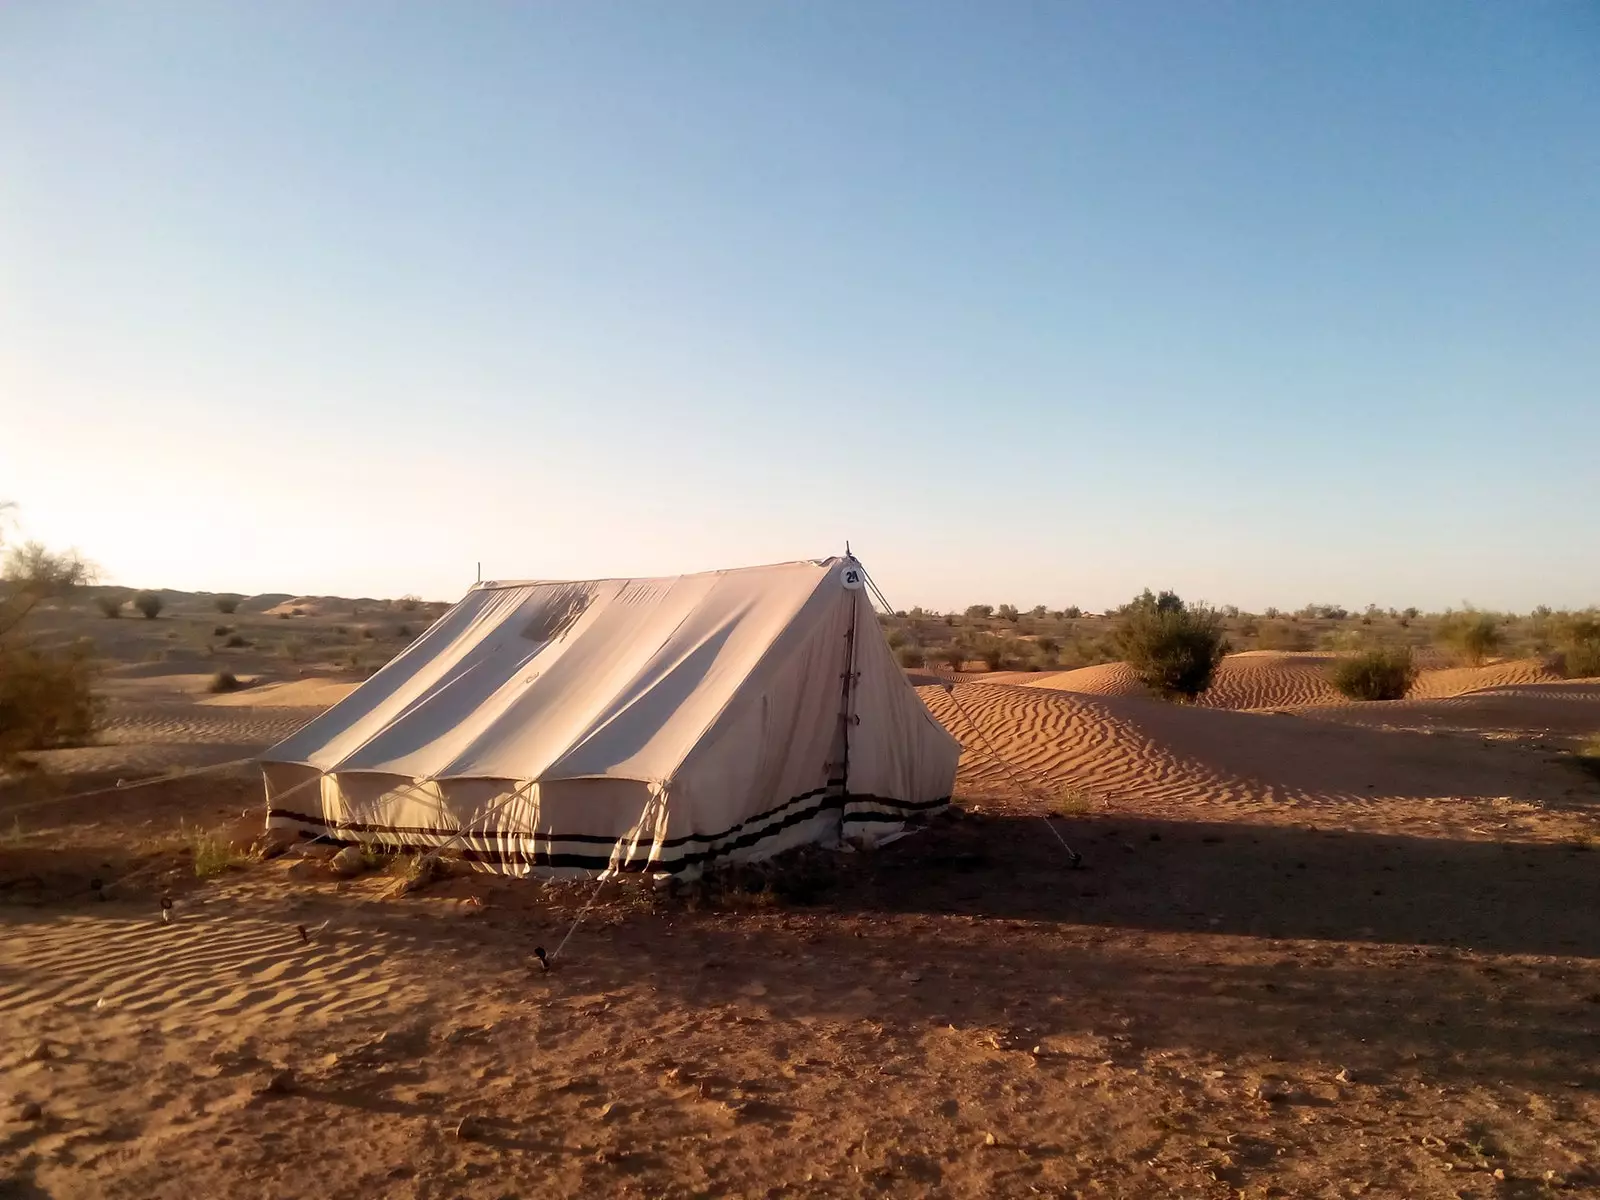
x=1315, y=949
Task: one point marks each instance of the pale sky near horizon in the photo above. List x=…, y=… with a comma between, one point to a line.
x=1269, y=303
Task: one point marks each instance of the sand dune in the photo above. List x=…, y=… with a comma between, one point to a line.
x=1257, y=679
x=1270, y=679
x=1139, y=755
x=288, y=693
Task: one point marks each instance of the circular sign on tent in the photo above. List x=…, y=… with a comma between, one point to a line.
x=852, y=576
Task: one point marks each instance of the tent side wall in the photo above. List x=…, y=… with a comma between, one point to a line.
x=902, y=760
x=765, y=775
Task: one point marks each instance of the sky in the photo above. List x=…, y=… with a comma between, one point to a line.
x=1033, y=303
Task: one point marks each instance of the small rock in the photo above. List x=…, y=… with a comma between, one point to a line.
x=279, y=1083
x=612, y=1110
x=39, y=1053
x=1345, y=1075
x=470, y=1128
x=304, y=868
x=989, y=1139
x=30, y=1111
x=1499, y=1172
x=350, y=861
x=1275, y=1093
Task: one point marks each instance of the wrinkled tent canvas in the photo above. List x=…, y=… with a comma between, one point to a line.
x=627, y=723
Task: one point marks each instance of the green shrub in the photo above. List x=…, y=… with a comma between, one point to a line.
x=897, y=638
x=223, y=681
x=1280, y=635
x=109, y=606
x=911, y=656
x=1007, y=612
x=212, y=853
x=234, y=642
x=150, y=604
x=1473, y=635
x=1579, y=646
x=1172, y=647
x=954, y=656
x=1381, y=674
x=227, y=604
x=46, y=699
x=980, y=610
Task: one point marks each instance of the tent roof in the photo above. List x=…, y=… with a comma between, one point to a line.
x=605, y=678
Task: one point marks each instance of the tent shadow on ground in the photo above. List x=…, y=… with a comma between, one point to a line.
x=1257, y=880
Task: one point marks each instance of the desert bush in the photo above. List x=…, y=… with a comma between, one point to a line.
x=1173, y=648
x=150, y=604
x=911, y=656
x=212, y=853
x=1072, y=612
x=980, y=610
x=283, y=616
x=409, y=603
x=223, y=681
x=1047, y=645
x=1380, y=674
x=46, y=698
x=1038, y=612
x=897, y=638
x=1473, y=635
x=403, y=631
x=109, y=606
x=1578, y=645
x=227, y=604
x=221, y=630
x=235, y=642
x=954, y=656
x=1007, y=612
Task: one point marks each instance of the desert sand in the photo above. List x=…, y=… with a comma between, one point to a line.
x=1316, y=949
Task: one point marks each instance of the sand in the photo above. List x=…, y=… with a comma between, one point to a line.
x=1261, y=679
x=1322, y=948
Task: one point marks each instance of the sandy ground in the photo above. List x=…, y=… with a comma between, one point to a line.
x=1316, y=949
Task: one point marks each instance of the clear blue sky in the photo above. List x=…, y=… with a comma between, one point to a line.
x=1039, y=303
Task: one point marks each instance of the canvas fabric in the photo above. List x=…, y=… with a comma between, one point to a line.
x=626, y=723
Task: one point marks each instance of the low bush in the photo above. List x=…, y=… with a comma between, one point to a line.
x=150, y=604
x=109, y=606
x=1578, y=646
x=1280, y=635
x=235, y=642
x=222, y=631
x=46, y=699
x=1173, y=648
x=227, y=604
x=1471, y=634
x=1382, y=674
x=954, y=656
x=223, y=681
x=911, y=656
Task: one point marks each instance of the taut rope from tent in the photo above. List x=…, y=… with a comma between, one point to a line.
x=1074, y=858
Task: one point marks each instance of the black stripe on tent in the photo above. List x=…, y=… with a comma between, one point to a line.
x=546, y=858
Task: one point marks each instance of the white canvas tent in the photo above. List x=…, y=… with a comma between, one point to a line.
x=639, y=723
